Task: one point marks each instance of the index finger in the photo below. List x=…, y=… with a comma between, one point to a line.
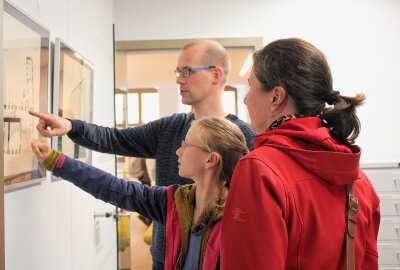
x=43, y=116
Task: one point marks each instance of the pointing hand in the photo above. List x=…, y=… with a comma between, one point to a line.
x=51, y=125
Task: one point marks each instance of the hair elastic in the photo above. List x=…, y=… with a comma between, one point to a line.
x=333, y=97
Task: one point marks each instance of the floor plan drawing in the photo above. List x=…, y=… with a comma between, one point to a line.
x=25, y=88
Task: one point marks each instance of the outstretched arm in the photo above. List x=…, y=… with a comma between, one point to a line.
x=138, y=142
x=148, y=201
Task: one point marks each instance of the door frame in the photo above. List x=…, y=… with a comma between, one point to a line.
x=2, y=243
x=254, y=43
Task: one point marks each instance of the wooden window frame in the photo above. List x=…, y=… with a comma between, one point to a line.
x=229, y=88
x=138, y=91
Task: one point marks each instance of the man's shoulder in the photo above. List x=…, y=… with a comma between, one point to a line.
x=175, y=119
x=175, y=116
x=236, y=120
x=244, y=126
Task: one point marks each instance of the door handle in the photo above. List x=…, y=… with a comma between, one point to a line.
x=114, y=215
x=104, y=214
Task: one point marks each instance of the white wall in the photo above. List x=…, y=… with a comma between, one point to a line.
x=360, y=38
x=51, y=226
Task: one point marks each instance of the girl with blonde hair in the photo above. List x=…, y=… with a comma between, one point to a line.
x=191, y=214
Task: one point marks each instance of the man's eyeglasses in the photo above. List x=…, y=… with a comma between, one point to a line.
x=186, y=72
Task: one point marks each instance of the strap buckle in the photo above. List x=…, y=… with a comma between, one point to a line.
x=352, y=203
x=351, y=214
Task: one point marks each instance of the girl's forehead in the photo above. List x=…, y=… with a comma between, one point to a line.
x=194, y=132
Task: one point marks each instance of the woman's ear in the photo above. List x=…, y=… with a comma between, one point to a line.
x=279, y=95
x=213, y=160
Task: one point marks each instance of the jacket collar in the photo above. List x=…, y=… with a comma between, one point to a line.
x=185, y=199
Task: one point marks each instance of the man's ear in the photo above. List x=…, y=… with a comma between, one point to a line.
x=218, y=73
x=213, y=160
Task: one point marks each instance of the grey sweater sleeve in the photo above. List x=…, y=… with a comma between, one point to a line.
x=139, y=141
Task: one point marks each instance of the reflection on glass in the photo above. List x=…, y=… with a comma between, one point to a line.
x=133, y=109
x=119, y=109
x=73, y=85
x=229, y=101
x=150, y=108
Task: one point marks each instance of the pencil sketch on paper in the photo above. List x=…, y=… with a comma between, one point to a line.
x=25, y=88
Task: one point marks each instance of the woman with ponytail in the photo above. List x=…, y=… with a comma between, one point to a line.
x=288, y=202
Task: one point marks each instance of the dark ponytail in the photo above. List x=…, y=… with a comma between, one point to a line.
x=302, y=69
x=342, y=119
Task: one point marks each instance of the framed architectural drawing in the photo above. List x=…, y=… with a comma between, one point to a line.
x=72, y=96
x=26, y=80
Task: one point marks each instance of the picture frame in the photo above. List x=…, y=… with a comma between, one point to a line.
x=26, y=87
x=72, y=94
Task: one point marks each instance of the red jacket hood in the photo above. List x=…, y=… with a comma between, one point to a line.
x=308, y=142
